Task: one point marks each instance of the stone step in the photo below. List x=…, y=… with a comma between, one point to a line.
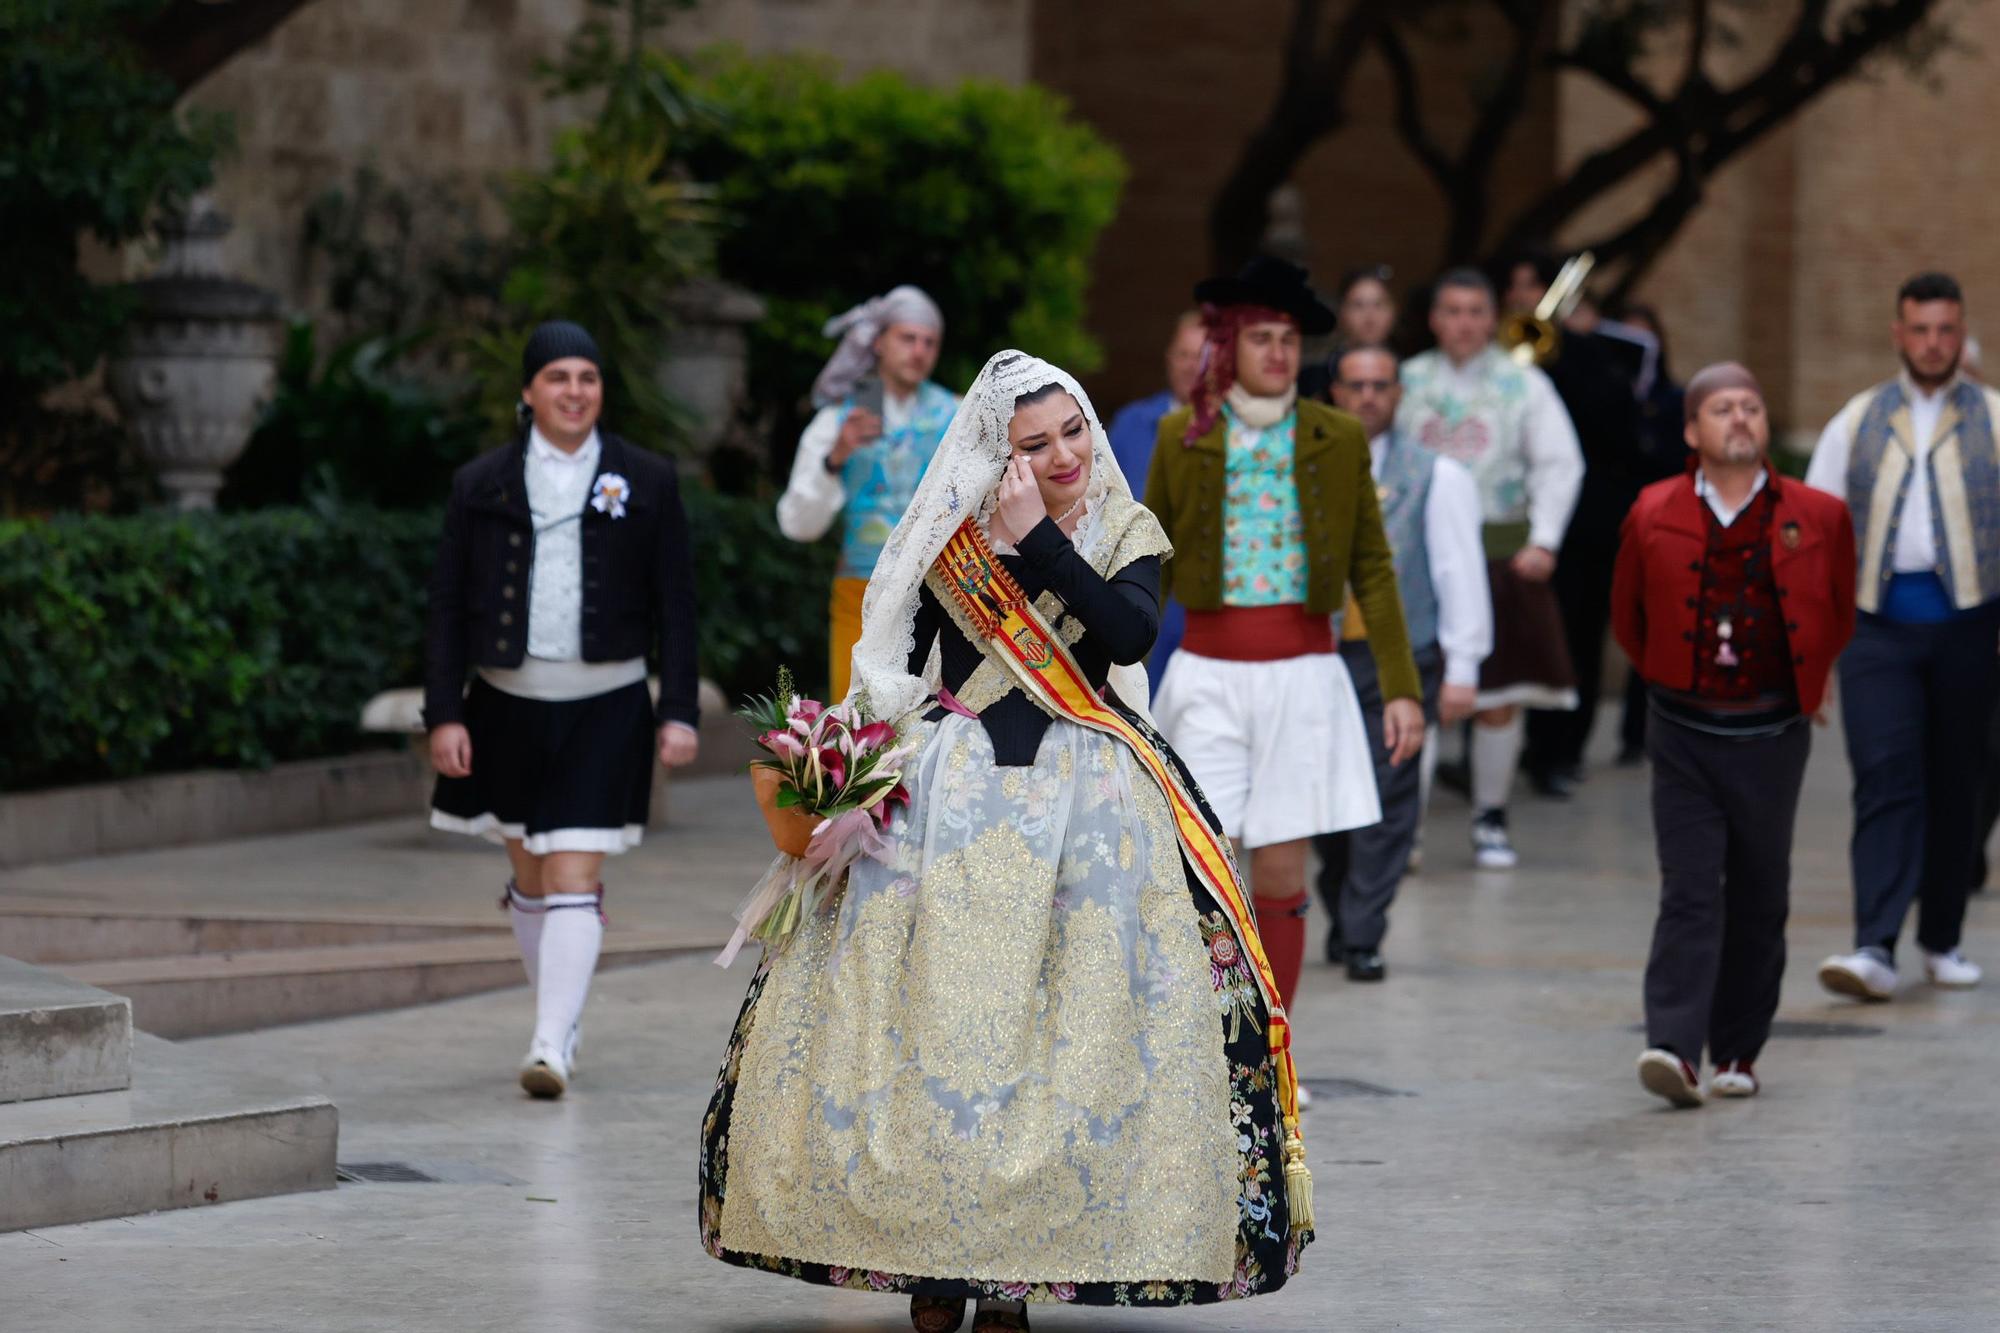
x=192, y=1130
x=208, y=994
x=59, y=1037
x=60, y=934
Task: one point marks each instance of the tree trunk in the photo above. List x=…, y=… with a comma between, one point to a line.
x=1311, y=103
x=190, y=39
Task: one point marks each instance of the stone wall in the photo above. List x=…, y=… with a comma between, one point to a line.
x=1793, y=262
x=1178, y=85
x=1790, y=266
x=432, y=91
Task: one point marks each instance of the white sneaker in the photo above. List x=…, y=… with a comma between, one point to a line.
x=1666, y=1075
x=544, y=1073
x=1951, y=970
x=1492, y=849
x=1735, y=1079
x=1305, y=1097
x=1865, y=974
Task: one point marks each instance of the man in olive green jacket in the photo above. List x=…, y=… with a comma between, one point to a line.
x=1272, y=510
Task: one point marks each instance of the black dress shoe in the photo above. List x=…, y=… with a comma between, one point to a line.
x=1554, y=783
x=1366, y=965
x=1336, y=947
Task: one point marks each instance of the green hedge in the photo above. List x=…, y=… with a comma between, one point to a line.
x=165, y=642
x=830, y=190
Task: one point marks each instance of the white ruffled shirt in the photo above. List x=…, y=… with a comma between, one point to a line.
x=558, y=486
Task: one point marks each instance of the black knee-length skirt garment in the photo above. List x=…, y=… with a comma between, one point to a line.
x=573, y=775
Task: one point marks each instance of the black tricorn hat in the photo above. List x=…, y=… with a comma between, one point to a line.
x=1267, y=281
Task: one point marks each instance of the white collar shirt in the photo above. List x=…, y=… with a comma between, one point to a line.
x=559, y=485
x=1726, y=513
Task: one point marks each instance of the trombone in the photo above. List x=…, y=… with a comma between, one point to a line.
x=1534, y=340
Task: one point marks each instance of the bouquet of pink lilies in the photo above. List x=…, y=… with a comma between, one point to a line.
x=828, y=787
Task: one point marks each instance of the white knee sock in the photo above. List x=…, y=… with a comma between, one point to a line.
x=572, y=932
x=526, y=915
x=1496, y=753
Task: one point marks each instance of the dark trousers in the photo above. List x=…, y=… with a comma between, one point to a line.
x=1915, y=701
x=1632, y=722
x=1582, y=584
x=1989, y=802
x=1723, y=810
x=1360, y=869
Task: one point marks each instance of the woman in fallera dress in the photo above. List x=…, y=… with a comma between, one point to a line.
x=1032, y=1052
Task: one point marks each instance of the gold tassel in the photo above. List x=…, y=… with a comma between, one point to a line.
x=1298, y=1179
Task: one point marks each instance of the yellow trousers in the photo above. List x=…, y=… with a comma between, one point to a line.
x=844, y=613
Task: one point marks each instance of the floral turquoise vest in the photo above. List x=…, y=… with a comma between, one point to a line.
x=1263, y=529
x=881, y=478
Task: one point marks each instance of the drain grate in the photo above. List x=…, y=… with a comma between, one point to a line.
x=382, y=1173
x=1349, y=1087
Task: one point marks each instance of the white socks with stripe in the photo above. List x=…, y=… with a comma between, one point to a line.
x=571, y=934
x=1496, y=753
x=526, y=915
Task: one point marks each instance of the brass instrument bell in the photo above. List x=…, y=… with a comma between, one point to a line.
x=1534, y=340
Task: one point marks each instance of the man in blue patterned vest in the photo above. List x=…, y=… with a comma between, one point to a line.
x=1916, y=460
x=1431, y=514
x=880, y=419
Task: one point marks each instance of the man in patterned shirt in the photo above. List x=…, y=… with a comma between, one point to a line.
x=880, y=419
x=1271, y=507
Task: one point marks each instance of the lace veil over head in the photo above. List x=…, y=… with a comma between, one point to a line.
x=963, y=480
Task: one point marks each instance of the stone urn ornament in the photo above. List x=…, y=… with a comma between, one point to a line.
x=705, y=361
x=198, y=359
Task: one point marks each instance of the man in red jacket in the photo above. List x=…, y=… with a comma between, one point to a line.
x=1733, y=594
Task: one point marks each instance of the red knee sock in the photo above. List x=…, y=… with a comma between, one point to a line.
x=1281, y=922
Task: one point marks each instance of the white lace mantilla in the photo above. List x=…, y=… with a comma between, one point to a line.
x=963, y=481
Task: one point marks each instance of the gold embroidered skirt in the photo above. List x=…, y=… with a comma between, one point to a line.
x=1008, y=1060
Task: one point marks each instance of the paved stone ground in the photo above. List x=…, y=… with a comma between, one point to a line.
x=1513, y=1176
x=684, y=879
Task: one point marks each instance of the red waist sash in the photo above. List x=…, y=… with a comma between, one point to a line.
x=1258, y=633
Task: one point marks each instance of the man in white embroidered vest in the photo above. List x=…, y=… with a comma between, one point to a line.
x=1470, y=402
x=1271, y=510
x=879, y=421
x=1917, y=463
x=1430, y=510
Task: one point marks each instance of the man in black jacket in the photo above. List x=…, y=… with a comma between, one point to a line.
x=564, y=563
x=1601, y=405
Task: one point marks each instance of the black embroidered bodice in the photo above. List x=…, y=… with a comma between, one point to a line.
x=1120, y=618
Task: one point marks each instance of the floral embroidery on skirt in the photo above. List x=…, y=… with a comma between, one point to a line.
x=1025, y=1058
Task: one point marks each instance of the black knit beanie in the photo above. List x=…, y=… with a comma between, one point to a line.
x=552, y=342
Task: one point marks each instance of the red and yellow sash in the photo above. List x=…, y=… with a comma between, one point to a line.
x=1014, y=632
